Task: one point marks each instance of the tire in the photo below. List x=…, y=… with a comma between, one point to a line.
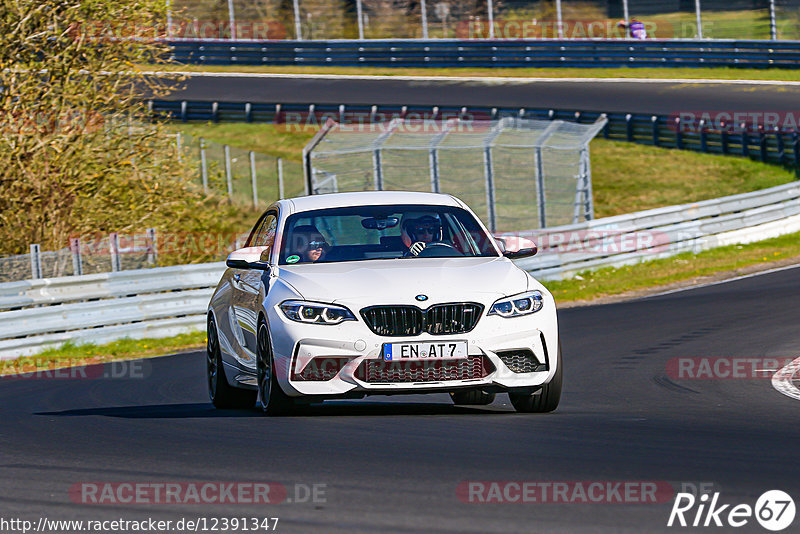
x=222, y=394
x=547, y=399
x=472, y=397
x=271, y=398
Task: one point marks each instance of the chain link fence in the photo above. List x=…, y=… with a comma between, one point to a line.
x=483, y=19
x=515, y=173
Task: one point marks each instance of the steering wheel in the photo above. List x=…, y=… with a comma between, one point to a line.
x=439, y=249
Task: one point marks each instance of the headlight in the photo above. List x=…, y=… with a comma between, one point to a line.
x=312, y=312
x=516, y=305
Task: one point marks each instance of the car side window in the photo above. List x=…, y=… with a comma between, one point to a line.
x=266, y=232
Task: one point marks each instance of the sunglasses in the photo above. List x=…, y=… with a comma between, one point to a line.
x=426, y=229
x=317, y=244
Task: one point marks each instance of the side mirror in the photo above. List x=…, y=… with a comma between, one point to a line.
x=250, y=258
x=515, y=247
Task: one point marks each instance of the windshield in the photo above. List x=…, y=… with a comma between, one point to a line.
x=383, y=232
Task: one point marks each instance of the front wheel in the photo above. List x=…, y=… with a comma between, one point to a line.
x=271, y=398
x=545, y=400
x=222, y=394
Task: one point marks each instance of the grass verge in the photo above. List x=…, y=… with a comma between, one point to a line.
x=719, y=73
x=71, y=355
x=683, y=269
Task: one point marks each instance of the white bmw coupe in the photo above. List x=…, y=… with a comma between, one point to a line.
x=352, y=294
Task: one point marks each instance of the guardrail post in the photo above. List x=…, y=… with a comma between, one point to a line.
x=281, y=194
x=248, y=112
x=77, y=260
x=678, y=133
x=796, y=150
x=723, y=133
x=184, y=111
x=228, y=175
x=253, y=178
x=762, y=144
x=113, y=248
x=745, y=141
x=781, y=146
x=152, y=249
x=703, y=136
x=215, y=111
x=654, y=120
x=629, y=127
x=606, y=127
x=203, y=164
x=36, y=262
x=489, y=176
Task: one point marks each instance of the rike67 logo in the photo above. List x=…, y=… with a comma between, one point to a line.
x=774, y=510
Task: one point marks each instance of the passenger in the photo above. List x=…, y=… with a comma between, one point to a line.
x=418, y=233
x=309, y=243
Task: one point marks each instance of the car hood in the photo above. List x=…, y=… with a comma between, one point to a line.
x=400, y=281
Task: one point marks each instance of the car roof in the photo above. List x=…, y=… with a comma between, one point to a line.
x=368, y=198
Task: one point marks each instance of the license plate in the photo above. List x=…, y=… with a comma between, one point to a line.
x=433, y=350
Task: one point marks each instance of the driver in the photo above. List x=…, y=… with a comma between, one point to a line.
x=418, y=233
x=309, y=243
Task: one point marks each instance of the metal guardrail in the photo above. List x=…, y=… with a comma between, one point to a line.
x=166, y=301
x=99, y=308
x=663, y=232
x=776, y=146
x=493, y=53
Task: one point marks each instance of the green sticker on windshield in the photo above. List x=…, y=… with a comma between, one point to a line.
x=292, y=259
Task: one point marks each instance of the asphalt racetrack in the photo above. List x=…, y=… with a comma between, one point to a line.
x=659, y=97
x=393, y=464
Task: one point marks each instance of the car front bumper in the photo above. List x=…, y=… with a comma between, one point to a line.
x=297, y=345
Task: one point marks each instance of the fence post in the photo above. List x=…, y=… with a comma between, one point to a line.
x=113, y=248
x=360, y=16
x=762, y=144
x=540, y=186
x=559, y=20
x=228, y=176
x=773, y=27
x=179, y=146
x=232, y=20
x=699, y=21
x=253, y=178
x=377, y=170
x=424, y=9
x=152, y=249
x=281, y=194
x=203, y=164
x=724, y=137
x=298, y=31
x=703, y=136
x=490, y=9
x=77, y=260
x=489, y=175
x=678, y=133
x=625, y=16
x=36, y=262
x=433, y=163
x=781, y=147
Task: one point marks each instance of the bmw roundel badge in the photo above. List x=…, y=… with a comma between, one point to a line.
x=421, y=298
